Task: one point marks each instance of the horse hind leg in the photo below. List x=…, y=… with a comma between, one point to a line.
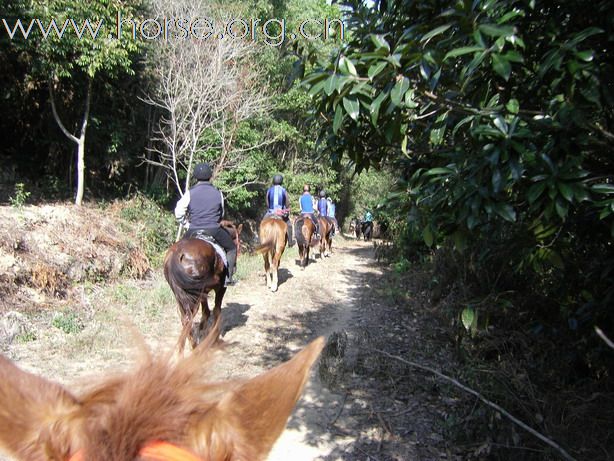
x=199, y=329
x=217, y=308
x=267, y=269
x=274, y=271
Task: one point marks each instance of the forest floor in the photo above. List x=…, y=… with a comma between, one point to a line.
x=359, y=404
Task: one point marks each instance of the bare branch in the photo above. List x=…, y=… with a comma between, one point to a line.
x=512, y=418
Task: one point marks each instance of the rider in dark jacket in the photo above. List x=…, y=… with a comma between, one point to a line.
x=204, y=205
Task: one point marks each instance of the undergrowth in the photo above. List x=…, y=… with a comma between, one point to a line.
x=551, y=378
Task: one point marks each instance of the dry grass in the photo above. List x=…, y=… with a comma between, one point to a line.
x=48, y=279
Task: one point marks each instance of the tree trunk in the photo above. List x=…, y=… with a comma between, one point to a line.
x=80, y=169
x=80, y=141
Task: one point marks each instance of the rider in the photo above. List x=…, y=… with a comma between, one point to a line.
x=323, y=204
x=368, y=224
x=204, y=204
x=306, y=206
x=278, y=204
x=331, y=214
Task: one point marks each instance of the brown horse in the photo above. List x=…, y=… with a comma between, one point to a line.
x=193, y=268
x=273, y=241
x=163, y=409
x=303, y=229
x=326, y=236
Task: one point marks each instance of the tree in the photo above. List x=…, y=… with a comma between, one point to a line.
x=204, y=89
x=497, y=115
x=73, y=42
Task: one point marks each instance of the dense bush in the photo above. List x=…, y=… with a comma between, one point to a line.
x=497, y=118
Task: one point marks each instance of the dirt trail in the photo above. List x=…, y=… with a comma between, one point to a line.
x=344, y=413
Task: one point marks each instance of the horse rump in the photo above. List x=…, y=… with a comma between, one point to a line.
x=187, y=287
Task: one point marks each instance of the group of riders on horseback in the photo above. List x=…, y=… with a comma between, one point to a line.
x=278, y=205
x=204, y=205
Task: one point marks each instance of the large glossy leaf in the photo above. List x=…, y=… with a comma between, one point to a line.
x=501, y=66
x=338, y=120
x=603, y=188
x=376, y=68
x=468, y=317
x=398, y=91
x=462, y=51
x=513, y=106
x=496, y=31
x=352, y=107
x=380, y=42
x=506, y=211
x=375, y=107
x=438, y=132
x=330, y=85
x=346, y=66
x=436, y=31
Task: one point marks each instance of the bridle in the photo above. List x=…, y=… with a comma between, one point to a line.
x=158, y=451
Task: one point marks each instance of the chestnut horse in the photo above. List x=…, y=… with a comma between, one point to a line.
x=303, y=229
x=193, y=268
x=162, y=410
x=326, y=236
x=273, y=241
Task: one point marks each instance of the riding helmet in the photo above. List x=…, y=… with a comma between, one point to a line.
x=323, y=193
x=278, y=179
x=203, y=172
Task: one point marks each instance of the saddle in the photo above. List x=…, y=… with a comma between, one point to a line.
x=216, y=246
x=278, y=214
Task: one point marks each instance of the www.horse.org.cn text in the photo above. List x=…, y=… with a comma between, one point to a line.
x=273, y=32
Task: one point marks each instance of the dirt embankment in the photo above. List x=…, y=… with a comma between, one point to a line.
x=46, y=250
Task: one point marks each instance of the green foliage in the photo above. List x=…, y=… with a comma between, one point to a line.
x=497, y=117
x=157, y=226
x=26, y=337
x=91, y=52
x=20, y=196
x=68, y=322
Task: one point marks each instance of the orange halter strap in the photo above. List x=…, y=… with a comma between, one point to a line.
x=158, y=451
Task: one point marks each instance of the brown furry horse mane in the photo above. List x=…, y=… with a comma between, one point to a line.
x=158, y=401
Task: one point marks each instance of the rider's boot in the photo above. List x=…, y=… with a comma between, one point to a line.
x=231, y=256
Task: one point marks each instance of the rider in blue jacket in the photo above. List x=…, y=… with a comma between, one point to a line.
x=306, y=207
x=278, y=204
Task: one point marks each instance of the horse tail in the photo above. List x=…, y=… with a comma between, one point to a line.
x=267, y=245
x=187, y=288
x=298, y=231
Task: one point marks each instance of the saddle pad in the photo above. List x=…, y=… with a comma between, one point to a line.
x=216, y=246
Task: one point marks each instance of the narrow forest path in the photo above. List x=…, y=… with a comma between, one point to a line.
x=357, y=405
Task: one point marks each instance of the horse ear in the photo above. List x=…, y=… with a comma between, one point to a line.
x=31, y=413
x=248, y=419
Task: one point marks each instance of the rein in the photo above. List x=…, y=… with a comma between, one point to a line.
x=155, y=451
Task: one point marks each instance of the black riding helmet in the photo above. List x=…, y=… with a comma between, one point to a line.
x=278, y=179
x=203, y=172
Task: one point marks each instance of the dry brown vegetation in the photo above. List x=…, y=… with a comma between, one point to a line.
x=45, y=250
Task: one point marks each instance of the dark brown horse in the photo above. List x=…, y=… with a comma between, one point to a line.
x=273, y=240
x=326, y=236
x=193, y=268
x=303, y=229
x=161, y=409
